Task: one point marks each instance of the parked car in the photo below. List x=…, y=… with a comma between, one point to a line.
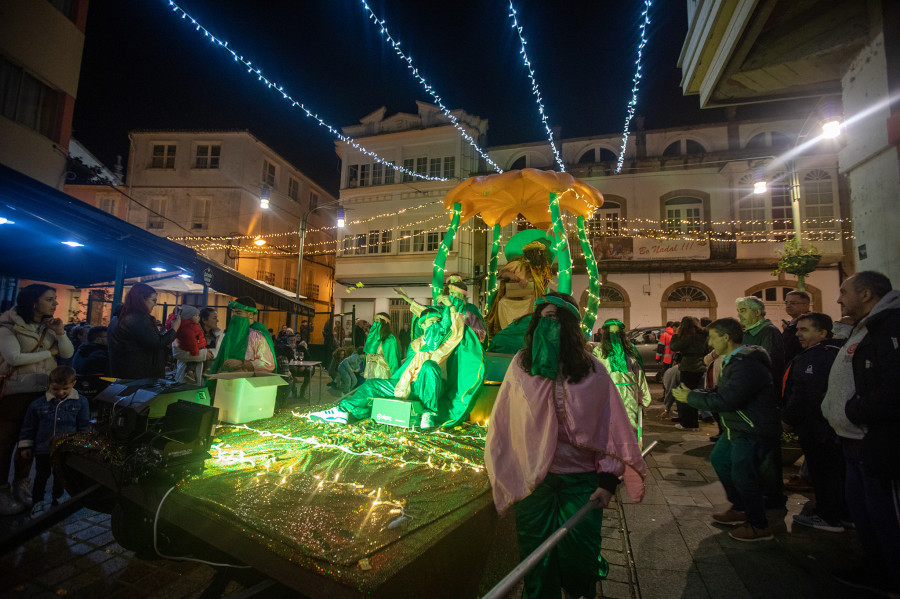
x=645, y=340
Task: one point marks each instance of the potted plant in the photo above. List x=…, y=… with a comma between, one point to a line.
x=795, y=259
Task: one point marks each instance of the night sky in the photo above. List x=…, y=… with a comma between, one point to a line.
x=146, y=68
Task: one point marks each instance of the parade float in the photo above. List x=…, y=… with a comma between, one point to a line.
x=362, y=509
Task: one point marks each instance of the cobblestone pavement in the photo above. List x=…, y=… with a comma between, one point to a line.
x=664, y=547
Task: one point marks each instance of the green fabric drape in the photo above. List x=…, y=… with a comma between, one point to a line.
x=545, y=348
x=234, y=344
x=512, y=338
x=575, y=564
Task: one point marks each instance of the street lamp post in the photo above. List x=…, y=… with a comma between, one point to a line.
x=302, y=234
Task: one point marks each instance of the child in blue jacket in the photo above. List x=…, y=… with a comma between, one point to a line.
x=59, y=411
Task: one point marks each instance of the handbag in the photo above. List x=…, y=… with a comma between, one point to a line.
x=4, y=378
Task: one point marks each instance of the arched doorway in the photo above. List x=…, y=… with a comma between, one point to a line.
x=688, y=298
x=773, y=293
x=614, y=303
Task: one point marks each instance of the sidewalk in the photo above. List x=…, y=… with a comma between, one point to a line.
x=679, y=552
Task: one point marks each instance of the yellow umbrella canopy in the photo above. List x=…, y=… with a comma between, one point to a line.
x=501, y=198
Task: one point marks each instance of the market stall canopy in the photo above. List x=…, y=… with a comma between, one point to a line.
x=227, y=280
x=501, y=198
x=43, y=219
x=40, y=220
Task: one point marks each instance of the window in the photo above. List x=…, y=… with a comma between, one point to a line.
x=293, y=189
x=818, y=203
x=313, y=200
x=688, y=293
x=606, y=220
x=435, y=168
x=268, y=174
x=684, y=147
x=156, y=213
x=207, y=155
x=673, y=149
x=29, y=102
x=163, y=156
x=364, y=171
x=607, y=294
x=758, y=214
x=422, y=165
x=773, y=139
x=377, y=173
x=433, y=241
x=360, y=248
x=200, y=213
x=386, y=241
x=449, y=167
x=373, y=241
x=353, y=176
x=388, y=175
x=684, y=215
x=520, y=163
x=405, y=242
x=107, y=203
x=693, y=147
x=588, y=157
x=408, y=164
x=401, y=315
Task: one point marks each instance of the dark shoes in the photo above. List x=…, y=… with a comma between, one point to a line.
x=730, y=517
x=748, y=533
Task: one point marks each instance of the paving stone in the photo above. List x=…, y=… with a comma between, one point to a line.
x=619, y=573
x=90, y=532
x=662, y=551
x=615, y=557
x=57, y=575
x=640, y=517
x=615, y=590
x=680, y=500
x=722, y=580
x=681, y=474
x=665, y=584
x=91, y=559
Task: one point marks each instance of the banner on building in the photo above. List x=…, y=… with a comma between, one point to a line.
x=646, y=248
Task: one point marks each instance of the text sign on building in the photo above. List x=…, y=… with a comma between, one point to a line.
x=646, y=248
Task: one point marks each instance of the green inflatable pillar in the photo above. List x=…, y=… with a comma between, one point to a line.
x=564, y=280
x=593, y=302
x=492, y=274
x=440, y=261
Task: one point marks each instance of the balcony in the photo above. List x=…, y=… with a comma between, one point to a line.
x=265, y=276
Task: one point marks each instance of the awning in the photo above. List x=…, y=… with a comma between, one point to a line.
x=230, y=282
x=42, y=218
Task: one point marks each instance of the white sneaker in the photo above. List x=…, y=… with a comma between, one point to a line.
x=21, y=490
x=335, y=416
x=814, y=521
x=427, y=420
x=40, y=508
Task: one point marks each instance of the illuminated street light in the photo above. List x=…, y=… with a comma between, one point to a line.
x=259, y=241
x=264, y=198
x=759, y=187
x=340, y=218
x=74, y=244
x=831, y=128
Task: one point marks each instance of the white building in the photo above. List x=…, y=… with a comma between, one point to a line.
x=692, y=187
x=204, y=189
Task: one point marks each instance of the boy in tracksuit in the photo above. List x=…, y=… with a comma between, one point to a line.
x=59, y=411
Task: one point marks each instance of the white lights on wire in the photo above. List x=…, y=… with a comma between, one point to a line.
x=408, y=59
x=309, y=113
x=534, y=86
x=634, y=84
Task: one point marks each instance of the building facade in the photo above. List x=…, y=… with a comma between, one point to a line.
x=41, y=44
x=844, y=53
x=681, y=231
x=207, y=190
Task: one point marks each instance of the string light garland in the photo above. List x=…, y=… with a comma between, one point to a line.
x=418, y=76
x=294, y=103
x=534, y=86
x=632, y=104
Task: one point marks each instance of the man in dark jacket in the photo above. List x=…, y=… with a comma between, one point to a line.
x=806, y=381
x=862, y=404
x=796, y=303
x=744, y=398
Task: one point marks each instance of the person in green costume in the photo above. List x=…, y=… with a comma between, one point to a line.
x=382, y=349
x=465, y=366
x=247, y=344
x=621, y=359
x=558, y=438
x=419, y=378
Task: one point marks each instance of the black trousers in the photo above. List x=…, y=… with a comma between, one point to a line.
x=827, y=473
x=687, y=415
x=43, y=470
